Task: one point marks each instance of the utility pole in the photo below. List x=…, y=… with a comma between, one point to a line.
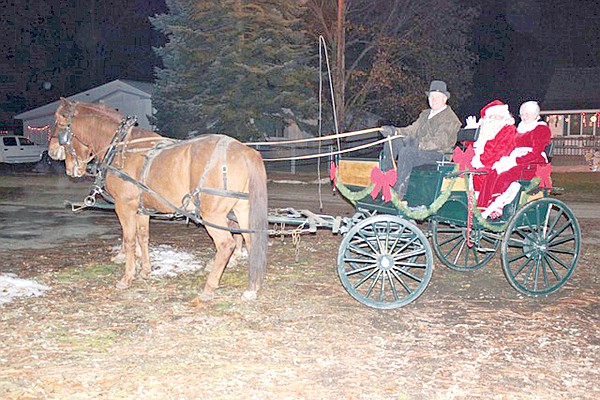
x=340, y=65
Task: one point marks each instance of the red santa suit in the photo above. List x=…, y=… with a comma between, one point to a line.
x=496, y=140
x=531, y=141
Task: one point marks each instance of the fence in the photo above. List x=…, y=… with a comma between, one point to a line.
x=575, y=146
x=571, y=150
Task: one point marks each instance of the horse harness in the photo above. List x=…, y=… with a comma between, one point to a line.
x=118, y=147
x=65, y=139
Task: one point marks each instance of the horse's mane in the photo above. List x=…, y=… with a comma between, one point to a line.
x=102, y=109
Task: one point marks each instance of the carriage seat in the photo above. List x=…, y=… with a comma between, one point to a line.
x=465, y=137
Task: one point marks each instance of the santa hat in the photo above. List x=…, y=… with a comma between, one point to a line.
x=494, y=108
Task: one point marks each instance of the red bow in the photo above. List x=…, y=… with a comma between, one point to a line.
x=383, y=181
x=332, y=172
x=543, y=172
x=463, y=158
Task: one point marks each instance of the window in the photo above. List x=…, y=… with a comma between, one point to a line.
x=588, y=126
x=581, y=125
x=10, y=141
x=25, y=142
x=574, y=124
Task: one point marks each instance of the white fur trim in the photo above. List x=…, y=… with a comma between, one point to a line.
x=526, y=127
x=502, y=200
x=497, y=110
x=504, y=164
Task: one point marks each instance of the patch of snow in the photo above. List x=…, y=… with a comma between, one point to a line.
x=11, y=287
x=168, y=261
x=289, y=182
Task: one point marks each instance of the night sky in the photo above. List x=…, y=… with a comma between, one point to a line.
x=519, y=43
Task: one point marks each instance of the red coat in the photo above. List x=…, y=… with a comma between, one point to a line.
x=491, y=184
x=537, y=139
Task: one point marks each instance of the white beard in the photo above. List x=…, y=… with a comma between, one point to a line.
x=488, y=129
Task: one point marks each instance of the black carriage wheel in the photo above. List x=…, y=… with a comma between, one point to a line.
x=385, y=262
x=541, y=247
x=451, y=247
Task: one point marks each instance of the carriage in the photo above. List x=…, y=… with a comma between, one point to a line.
x=386, y=258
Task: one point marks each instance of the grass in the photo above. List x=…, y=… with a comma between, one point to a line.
x=578, y=186
x=92, y=272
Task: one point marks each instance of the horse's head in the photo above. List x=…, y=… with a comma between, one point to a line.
x=78, y=131
x=62, y=146
x=62, y=129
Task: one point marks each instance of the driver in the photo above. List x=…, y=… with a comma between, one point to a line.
x=424, y=141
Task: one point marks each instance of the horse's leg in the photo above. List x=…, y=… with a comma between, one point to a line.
x=119, y=258
x=237, y=253
x=242, y=213
x=239, y=242
x=142, y=236
x=225, y=245
x=127, y=218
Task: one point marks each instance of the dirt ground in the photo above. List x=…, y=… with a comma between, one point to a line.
x=469, y=336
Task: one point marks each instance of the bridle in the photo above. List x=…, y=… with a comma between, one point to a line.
x=65, y=139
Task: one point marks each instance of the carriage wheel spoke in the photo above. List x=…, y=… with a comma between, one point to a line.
x=556, y=233
x=366, y=278
x=354, y=248
x=548, y=262
x=414, y=253
x=562, y=240
x=558, y=260
x=362, y=270
x=555, y=220
x=520, y=269
x=401, y=281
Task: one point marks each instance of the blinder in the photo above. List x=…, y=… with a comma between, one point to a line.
x=65, y=136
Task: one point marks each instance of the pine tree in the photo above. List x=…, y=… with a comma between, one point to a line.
x=229, y=64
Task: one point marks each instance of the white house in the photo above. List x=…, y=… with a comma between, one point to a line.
x=571, y=107
x=128, y=97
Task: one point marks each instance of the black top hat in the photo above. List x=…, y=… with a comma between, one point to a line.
x=438, y=86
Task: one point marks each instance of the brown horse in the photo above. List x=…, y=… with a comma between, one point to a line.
x=206, y=177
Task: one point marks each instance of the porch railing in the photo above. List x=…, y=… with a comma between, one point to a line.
x=575, y=146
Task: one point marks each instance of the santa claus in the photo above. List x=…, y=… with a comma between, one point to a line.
x=492, y=150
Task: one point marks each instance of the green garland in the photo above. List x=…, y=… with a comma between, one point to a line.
x=416, y=214
x=349, y=194
x=421, y=214
x=433, y=208
x=495, y=227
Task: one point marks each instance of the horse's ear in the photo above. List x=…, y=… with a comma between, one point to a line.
x=67, y=106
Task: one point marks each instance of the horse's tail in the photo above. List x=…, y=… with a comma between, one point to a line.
x=259, y=224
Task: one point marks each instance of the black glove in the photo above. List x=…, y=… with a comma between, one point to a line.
x=388, y=130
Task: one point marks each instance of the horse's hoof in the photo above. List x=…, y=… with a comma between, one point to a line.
x=144, y=275
x=122, y=285
x=249, y=295
x=118, y=259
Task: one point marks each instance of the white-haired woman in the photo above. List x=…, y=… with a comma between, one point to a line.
x=531, y=139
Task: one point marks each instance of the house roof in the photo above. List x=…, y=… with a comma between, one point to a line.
x=573, y=88
x=138, y=88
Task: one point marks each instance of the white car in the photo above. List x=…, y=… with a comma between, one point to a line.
x=18, y=149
